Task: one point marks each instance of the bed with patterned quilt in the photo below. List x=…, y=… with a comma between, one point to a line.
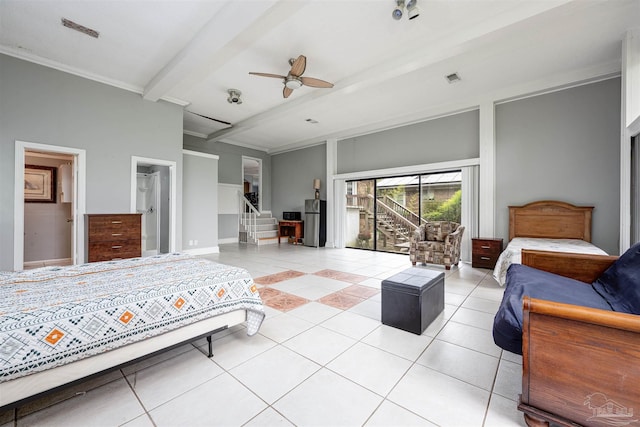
x=62, y=324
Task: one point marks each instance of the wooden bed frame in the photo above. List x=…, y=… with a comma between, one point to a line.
x=550, y=219
x=581, y=366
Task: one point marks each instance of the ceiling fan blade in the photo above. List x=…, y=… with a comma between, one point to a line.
x=210, y=118
x=277, y=76
x=298, y=66
x=313, y=82
x=286, y=92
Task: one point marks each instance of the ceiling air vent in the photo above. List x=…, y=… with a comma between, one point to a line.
x=74, y=26
x=453, y=78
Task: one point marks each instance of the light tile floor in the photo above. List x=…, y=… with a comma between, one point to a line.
x=316, y=364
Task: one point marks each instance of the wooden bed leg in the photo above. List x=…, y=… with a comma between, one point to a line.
x=413, y=263
x=210, y=346
x=535, y=421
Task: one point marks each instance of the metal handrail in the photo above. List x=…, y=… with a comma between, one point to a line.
x=248, y=217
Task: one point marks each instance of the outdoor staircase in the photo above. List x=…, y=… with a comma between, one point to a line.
x=395, y=233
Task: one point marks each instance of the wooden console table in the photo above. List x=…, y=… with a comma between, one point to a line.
x=291, y=229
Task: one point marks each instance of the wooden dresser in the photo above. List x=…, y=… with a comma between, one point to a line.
x=112, y=236
x=485, y=252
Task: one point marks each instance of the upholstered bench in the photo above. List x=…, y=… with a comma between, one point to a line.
x=412, y=299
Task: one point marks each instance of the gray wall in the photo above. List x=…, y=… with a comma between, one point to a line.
x=39, y=104
x=230, y=172
x=448, y=138
x=230, y=164
x=200, y=202
x=562, y=146
x=228, y=226
x=293, y=175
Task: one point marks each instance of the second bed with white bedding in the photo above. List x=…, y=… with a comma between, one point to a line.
x=513, y=252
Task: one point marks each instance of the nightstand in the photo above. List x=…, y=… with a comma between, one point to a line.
x=485, y=252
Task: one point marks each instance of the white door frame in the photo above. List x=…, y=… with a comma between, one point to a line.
x=260, y=187
x=135, y=160
x=79, y=199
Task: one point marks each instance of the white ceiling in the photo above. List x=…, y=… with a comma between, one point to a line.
x=386, y=73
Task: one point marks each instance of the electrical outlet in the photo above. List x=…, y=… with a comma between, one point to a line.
x=190, y=242
x=195, y=242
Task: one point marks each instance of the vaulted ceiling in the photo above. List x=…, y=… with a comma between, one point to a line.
x=386, y=72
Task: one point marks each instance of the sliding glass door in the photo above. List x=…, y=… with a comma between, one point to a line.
x=383, y=213
x=441, y=196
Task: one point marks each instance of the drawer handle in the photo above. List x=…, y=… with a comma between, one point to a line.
x=485, y=247
x=116, y=234
x=116, y=246
x=116, y=222
x=485, y=258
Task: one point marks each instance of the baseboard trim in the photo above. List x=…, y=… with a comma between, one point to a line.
x=48, y=262
x=228, y=240
x=203, y=251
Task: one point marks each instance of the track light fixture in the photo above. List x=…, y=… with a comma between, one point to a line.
x=412, y=9
x=398, y=11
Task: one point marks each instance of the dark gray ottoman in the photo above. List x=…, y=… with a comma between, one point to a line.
x=412, y=299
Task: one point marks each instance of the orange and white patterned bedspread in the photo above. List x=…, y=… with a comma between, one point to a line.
x=55, y=315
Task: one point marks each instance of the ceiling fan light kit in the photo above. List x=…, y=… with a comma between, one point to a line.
x=293, y=79
x=292, y=82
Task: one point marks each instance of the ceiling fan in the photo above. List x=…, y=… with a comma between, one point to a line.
x=293, y=80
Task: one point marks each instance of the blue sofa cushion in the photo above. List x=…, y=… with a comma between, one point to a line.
x=523, y=280
x=620, y=283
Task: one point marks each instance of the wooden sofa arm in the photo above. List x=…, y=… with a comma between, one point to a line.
x=580, y=365
x=583, y=267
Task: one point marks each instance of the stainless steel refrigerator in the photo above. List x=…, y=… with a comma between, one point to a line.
x=315, y=223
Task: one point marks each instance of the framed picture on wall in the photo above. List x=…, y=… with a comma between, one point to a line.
x=39, y=184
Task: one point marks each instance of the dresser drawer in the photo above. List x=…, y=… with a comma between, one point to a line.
x=111, y=235
x=102, y=226
x=483, y=261
x=487, y=247
x=107, y=251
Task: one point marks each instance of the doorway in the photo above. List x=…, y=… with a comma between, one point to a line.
x=57, y=212
x=48, y=209
x=252, y=181
x=153, y=194
x=148, y=203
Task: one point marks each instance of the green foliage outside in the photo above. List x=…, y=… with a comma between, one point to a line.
x=449, y=210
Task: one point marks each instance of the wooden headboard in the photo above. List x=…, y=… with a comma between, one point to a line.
x=551, y=220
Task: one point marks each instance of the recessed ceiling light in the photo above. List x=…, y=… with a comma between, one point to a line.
x=453, y=78
x=312, y=121
x=84, y=30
